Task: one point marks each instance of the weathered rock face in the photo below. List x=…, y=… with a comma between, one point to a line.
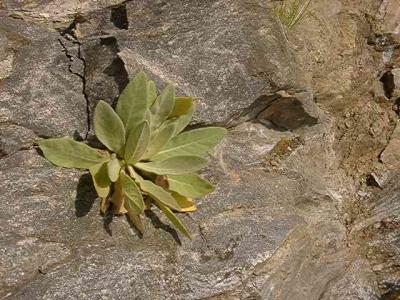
x=237, y=231
x=287, y=220
x=215, y=51
x=186, y=52
x=58, y=13
x=378, y=236
x=39, y=89
x=390, y=156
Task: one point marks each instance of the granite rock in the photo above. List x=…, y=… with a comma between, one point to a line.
x=216, y=51
x=378, y=236
x=287, y=219
x=40, y=97
x=237, y=229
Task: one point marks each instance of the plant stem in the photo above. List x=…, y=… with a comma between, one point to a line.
x=118, y=199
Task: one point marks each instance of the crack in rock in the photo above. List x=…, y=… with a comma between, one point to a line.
x=77, y=65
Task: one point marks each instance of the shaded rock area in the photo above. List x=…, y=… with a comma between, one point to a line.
x=307, y=197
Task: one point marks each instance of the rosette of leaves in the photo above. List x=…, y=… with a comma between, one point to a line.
x=148, y=160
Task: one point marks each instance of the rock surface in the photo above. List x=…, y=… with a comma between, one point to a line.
x=215, y=51
x=379, y=239
x=58, y=13
x=39, y=89
x=294, y=215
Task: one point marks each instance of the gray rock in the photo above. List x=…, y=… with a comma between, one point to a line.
x=3, y=47
x=218, y=52
x=289, y=112
x=278, y=226
x=389, y=13
x=14, y=138
x=391, y=155
x=253, y=215
x=396, y=78
x=6, y=57
x=223, y=53
x=30, y=191
x=358, y=282
x=40, y=95
x=237, y=229
x=378, y=235
x=6, y=67
x=55, y=13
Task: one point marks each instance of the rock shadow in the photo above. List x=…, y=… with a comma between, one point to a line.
x=389, y=86
x=85, y=196
x=275, y=112
x=119, y=16
x=116, y=68
x=285, y=114
x=133, y=227
x=155, y=220
x=107, y=220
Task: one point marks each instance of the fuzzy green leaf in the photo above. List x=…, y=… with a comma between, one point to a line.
x=182, y=106
x=176, y=165
x=163, y=106
x=148, y=117
x=113, y=167
x=132, y=102
x=189, y=185
x=65, y=152
x=194, y=142
x=160, y=138
x=187, y=204
x=109, y=128
x=182, y=121
x=137, y=143
x=158, y=193
x=101, y=181
x=134, y=199
x=174, y=219
x=151, y=93
x=182, y=113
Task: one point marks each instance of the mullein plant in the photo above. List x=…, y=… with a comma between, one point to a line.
x=148, y=160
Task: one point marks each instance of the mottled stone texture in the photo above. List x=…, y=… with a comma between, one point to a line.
x=216, y=51
x=40, y=97
x=54, y=13
x=289, y=218
x=379, y=238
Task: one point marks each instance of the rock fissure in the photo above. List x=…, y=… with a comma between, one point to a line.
x=88, y=120
x=82, y=74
